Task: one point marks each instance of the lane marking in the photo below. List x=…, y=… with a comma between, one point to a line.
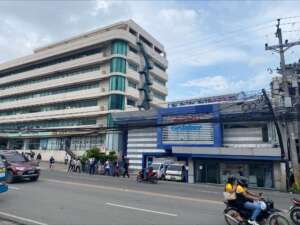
x=155, y=194
x=23, y=219
x=140, y=209
x=13, y=188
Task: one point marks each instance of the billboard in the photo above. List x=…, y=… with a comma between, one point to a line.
x=191, y=134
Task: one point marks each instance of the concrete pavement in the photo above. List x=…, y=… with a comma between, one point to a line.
x=58, y=198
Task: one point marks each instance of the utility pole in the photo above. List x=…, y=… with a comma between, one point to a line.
x=289, y=128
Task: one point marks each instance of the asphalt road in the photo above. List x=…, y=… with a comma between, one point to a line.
x=61, y=199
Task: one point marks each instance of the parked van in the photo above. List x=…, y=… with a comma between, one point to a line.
x=175, y=172
x=160, y=168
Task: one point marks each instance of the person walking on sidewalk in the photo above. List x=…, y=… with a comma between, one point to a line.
x=51, y=162
x=107, y=168
x=78, y=166
x=66, y=159
x=39, y=157
x=71, y=167
x=92, y=164
x=126, y=168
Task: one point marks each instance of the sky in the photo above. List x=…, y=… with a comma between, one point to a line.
x=213, y=47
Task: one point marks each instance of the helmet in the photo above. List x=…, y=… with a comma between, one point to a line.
x=231, y=179
x=243, y=182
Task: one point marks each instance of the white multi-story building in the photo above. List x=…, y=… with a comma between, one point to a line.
x=77, y=83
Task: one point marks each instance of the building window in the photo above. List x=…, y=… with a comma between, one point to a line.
x=146, y=41
x=116, y=101
x=159, y=96
x=160, y=67
x=52, y=107
x=133, y=66
x=133, y=50
x=132, y=84
x=159, y=81
x=118, y=65
x=51, y=92
x=119, y=47
x=53, y=76
x=130, y=102
x=117, y=83
x=57, y=60
x=133, y=32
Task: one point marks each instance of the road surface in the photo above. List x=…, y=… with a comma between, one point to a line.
x=61, y=199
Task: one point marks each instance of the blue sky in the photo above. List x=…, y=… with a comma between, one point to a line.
x=213, y=47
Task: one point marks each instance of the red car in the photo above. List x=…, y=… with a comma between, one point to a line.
x=19, y=167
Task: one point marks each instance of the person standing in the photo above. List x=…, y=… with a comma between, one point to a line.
x=39, y=157
x=116, y=168
x=126, y=168
x=66, y=159
x=71, y=166
x=32, y=154
x=92, y=164
x=51, y=162
x=107, y=168
x=78, y=166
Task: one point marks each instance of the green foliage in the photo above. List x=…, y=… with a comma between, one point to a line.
x=95, y=152
x=294, y=188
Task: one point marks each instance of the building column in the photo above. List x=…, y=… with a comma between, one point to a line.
x=279, y=174
x=191, y=171
x=114, y=141
x=26, y=144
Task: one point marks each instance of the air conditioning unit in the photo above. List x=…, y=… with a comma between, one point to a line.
x=102, y=108
x=104, y=54
x=103, y=89
x=103, y=72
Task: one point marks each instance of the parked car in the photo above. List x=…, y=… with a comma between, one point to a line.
x=175, y=172
x=19, y=167
x=160, y=168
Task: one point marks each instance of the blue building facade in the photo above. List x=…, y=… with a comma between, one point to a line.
x=210, y=150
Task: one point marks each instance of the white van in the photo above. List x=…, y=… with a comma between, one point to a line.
x=175, y=172
x=160, y=168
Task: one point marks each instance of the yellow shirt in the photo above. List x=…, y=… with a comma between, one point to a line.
x=240, y=189
x=228, y=187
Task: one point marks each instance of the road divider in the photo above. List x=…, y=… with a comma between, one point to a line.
x=147, y=193
x=20, y=219
x=140, y=209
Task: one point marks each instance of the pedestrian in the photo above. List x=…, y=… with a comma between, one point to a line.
x=51, y=162
x=32, y=154
x=78, y=166
x=107, y=168
x=39, y=157
x=126, y=168
x=116, y=168
x=66, y=159
x=71, y=166
x=92, y=164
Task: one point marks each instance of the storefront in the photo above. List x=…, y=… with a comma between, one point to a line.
x=258, y=173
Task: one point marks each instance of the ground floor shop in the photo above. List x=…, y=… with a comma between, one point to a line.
x=259, y=173
x=75, y=143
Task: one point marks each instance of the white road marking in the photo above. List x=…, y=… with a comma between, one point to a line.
x=147, y=193
x=140, y=209
x=11, y=216
x=13, y=188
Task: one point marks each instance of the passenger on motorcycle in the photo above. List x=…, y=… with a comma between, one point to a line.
x=248, y=200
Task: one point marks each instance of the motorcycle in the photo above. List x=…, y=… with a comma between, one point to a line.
x=145, y=177
x=294, y=211
x=269, y=216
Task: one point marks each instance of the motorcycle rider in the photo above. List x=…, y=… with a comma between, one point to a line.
x=248, y=200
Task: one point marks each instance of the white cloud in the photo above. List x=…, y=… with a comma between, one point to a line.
x=217, y=84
